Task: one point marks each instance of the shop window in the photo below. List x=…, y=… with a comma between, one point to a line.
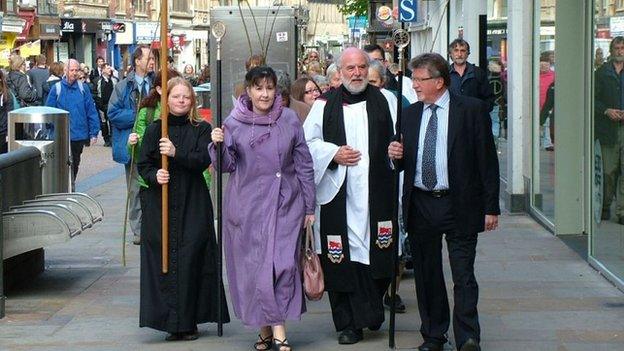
x=607, y=146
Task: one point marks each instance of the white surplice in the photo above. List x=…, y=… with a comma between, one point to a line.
x=328, y=182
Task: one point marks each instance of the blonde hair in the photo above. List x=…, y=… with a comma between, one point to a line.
x=193, y=115
x=16, y=62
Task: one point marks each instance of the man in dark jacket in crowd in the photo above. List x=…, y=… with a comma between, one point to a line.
x=608, y=117
x=466, y=78
x=104, y=86
x=38, y=76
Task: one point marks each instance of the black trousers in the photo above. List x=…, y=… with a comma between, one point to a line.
x=105, y=126
x=76, y=151
x=3, y=144
x=363, y=306
x=431, y=218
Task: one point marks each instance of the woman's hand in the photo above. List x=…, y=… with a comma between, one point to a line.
x=133, y=138
x=167, y=147
x=217, y=135
x=162, y=176
x=309, y=220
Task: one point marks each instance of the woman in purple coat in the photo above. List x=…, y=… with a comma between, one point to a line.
x=269, y=198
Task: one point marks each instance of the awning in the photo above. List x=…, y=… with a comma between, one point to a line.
x=30, y=49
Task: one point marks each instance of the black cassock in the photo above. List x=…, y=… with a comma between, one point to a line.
x=187, y=295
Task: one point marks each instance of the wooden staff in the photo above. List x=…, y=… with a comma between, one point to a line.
x=218, y=31
x=164, y=130
x=401, y=40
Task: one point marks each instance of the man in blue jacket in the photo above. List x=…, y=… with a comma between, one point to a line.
x=84, y=124
x=122, y=110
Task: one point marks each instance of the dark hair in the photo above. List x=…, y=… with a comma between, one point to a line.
x=152, y=99
x=459, y=42
x=100, y=58
x=435, y=64
x=41, y=60
x=617, y=40
x=257, y=74
x=137, y=54
x=255, y=61
x=374, y=47
x=205, y=76
x=545, y=56
x=297, y=91
x=3, y=88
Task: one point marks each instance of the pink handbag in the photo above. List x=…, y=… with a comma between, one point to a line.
x=313, y=281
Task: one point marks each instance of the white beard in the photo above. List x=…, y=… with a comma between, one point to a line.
x=355, y=90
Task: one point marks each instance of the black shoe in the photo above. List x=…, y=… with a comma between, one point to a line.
x=430, y=346
x=192, y=335
x=399, y=306
x=375, y=327
x=174, y=337
x=350, y=336
x=470, y=345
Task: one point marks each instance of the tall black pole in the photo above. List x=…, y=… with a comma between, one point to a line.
x=218, y=30
x=401, y=40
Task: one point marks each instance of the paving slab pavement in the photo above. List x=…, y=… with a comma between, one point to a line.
x=536, y=294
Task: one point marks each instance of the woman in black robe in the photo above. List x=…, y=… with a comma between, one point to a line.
x=186, y=296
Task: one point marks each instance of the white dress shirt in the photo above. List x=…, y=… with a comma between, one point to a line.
x=441, y=143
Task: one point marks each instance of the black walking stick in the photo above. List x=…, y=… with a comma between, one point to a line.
x=218, y=30
x=401, y=40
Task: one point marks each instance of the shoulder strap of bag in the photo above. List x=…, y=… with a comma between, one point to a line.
x=150, y=115
x=309, y=241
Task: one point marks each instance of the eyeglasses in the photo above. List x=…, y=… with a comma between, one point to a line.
x=312, y=91
x=420, y=80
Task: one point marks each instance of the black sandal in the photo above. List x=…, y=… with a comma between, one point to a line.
x=278, y=344
x=266, y=343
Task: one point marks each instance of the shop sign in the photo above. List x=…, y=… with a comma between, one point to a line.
x=91, y=25
x=146, y=32
x=357, y=21
x=107, y=27
x=616, y=26
x=499, y=31
x=408, y=10
x=119, y=27
x=49, y=29
x=72, y=26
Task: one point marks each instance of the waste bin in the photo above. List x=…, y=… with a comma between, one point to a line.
x=47, y=129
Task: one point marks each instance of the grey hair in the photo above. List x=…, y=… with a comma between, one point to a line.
x=331, y=70
x=341, y=55
x=381, y=70
x=319, y=79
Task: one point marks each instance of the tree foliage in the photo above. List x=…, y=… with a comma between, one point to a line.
x=354, y=7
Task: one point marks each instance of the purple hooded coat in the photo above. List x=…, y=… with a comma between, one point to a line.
x=269, y=191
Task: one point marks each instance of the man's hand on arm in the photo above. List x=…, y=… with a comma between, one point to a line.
x=395, y=150
x=491, y=222
x=347, y=156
